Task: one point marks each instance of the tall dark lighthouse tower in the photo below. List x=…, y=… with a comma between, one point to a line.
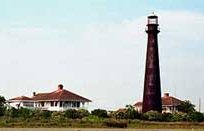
x=152, y=89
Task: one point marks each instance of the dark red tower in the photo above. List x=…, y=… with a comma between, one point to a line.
x=152, y=89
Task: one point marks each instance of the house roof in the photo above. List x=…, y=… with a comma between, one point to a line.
x=170, y=101
x=138, y=103
x=59, y=95
x=166, y=101
x=21, y=98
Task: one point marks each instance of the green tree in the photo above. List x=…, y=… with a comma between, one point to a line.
x=2, y=107
x=2, y=101
x=186, y=107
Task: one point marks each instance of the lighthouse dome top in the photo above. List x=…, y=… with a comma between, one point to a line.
x=152, y=19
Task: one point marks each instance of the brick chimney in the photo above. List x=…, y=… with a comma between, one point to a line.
x=60, y=87
x=166, y=94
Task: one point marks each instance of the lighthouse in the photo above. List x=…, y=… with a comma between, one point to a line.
x=152, y=86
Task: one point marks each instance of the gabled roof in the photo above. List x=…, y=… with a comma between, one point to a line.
x=21, y=98
x=59, y=95
x=169, y=100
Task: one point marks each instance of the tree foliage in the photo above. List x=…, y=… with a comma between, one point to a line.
x=2, y=107
x=186, y=107
x=2, y=101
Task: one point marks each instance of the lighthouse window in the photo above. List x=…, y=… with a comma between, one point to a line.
x=152, y=21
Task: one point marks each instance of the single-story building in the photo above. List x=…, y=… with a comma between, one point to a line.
x=58, y=100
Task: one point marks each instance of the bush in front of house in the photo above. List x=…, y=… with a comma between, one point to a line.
x=45, y=114
x=152, y=116
x=2, y=111
x=58, y=115
x=71, y=114
x=100, y=113
x=196, y=117
x=132, y=114
x=12, y=112
x=120, y=115
x=167, y=117
x=179, y=116
x=83, y=113
x=126, y=114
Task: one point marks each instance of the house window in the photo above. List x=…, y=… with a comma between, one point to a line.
x=78, y=104
x=28, y=104
x=52, y=103
x=74, y=104
x=60, y=103
x=42, y=104
x=56, y=103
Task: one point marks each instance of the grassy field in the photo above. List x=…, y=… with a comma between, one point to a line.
x=91, y=129
x=89, y=125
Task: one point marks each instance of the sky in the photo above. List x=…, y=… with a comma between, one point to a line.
x=97, y=48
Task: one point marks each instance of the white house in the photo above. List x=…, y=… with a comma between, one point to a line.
x=58, y=100
x=169, y=104
x=21, y=101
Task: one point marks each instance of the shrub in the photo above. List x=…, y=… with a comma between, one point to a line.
x=71, y=114
x=12, y=112
x=132, y=114
x=167, y=117
x=100, y=113
x=45, y=114
x=152, y=116
x=196, y=117
x=2, y=111
x=24, y=112
x=83, y=113
x=57, y=115
x=179, y=116
x=36, y=113
x=120, y=115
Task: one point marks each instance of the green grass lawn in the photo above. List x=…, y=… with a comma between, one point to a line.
x=94, y=123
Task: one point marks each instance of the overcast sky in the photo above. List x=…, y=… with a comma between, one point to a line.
x=97, y=48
